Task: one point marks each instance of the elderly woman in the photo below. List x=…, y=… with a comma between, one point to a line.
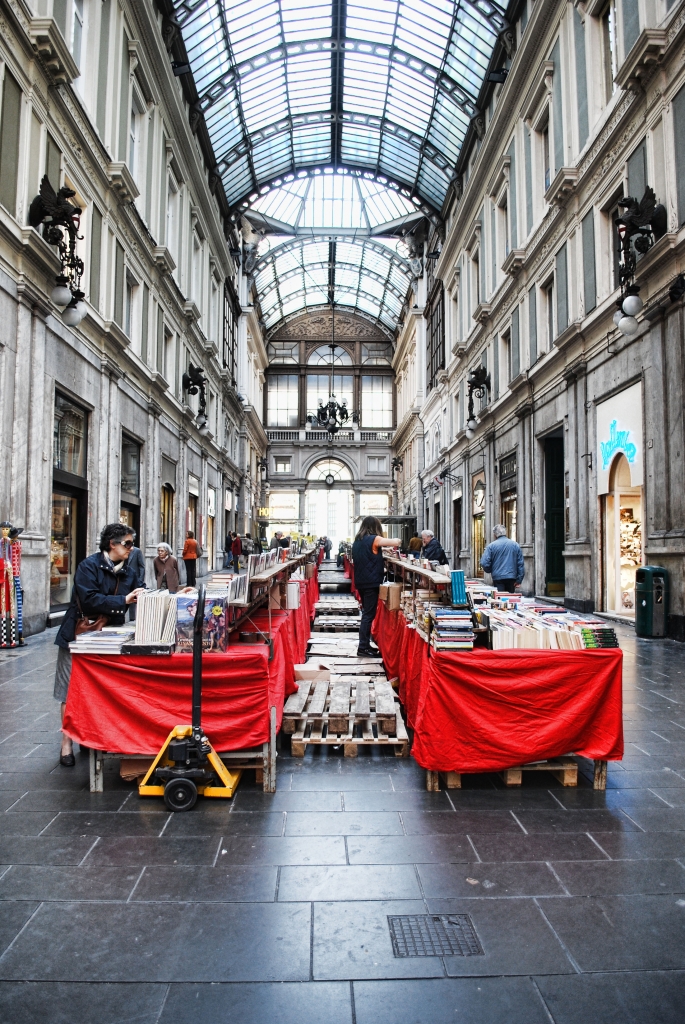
x=166, y=569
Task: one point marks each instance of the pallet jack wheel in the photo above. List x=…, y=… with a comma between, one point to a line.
x=180, y=794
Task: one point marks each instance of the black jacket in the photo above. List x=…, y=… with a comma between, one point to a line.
x=136, y=561
x=369, y=569
x=434, y=551
x=95, y=583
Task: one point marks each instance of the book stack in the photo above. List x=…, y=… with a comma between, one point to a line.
x=109, y=640
x=452, y=629
x=156, y=617
x=458, y=587
x=595, y=637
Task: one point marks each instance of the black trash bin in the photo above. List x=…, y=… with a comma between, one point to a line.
x=651, y=601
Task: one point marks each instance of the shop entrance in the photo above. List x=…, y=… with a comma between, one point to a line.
x=555, y=576
x=622, y=539
x=456, y=542
x=329, y=502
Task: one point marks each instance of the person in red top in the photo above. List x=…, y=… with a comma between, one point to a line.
x=191, y=553
x=236, y=551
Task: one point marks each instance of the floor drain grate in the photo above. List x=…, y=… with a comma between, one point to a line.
x=434, y=935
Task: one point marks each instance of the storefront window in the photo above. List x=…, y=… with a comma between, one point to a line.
x=622, y=538
x=167, y=515
x=69, y=437
x=478, y=510
x=130, y=466
x=62, y=547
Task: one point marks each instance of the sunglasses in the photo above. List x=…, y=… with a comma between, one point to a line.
x=125, y=543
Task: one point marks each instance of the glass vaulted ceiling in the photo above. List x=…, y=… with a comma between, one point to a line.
x=374, y=90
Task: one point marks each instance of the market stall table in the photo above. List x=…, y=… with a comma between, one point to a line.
x=127, y=704
x=484, y=711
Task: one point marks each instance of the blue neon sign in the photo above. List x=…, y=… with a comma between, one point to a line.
x=618, y=442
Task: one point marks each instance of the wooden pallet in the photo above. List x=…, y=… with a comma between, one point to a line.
x=335, y=624
x=563, y=768
x=337, y=608
x=365, y=734
x=342, y=702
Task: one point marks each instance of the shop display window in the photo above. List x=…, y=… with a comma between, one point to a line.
x=63, y=547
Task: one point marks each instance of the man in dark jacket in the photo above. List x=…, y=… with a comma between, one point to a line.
x=103, y=585
x=504, y=560
x=136, y=563
x=432, y=548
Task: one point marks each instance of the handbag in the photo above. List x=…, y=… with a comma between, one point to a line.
x=83, y=623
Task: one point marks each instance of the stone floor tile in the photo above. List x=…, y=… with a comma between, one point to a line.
x=358, y=882
x=224, y=883
x=654, y=997
x=440, y=881
x=423, y=849
x=621, y=877
x=318, y=1002
x=25, y=1002
x=449, y=1000
x=362, y=823
x=162, y=942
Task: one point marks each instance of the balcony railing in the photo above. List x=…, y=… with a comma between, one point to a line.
x=323, y=435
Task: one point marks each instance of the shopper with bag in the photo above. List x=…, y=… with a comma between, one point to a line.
x=166, y=569
x=104, y=586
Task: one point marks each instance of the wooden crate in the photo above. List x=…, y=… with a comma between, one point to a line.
x=365, y=734
x=342, y=703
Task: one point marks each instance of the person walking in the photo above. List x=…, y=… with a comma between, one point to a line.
x=166, y=569
x=136, y=562
x=236, y=551
x=190, y=555
x=104, y=587
x=228, y=557
x=369, y=569
x=503, y=559
x=415, y=543
x=248, y=545
x=327, y=545
x=432, y=548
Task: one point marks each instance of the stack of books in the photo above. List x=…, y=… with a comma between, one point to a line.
x=104, y=641
x=156, y=617
x=452, y=629
x=595, y=637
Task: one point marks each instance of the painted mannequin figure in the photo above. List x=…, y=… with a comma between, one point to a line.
x=11, y=595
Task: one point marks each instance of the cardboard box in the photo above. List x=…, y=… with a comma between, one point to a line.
x=383, y=592
x=310, y=568
x=394, y=597
x=312, y=671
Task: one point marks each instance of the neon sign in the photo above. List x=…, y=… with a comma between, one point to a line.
x=618, y=442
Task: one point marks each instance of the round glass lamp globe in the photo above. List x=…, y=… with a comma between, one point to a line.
x=60, y=295
x=632, y=304
x=71, y=316
x=469, y=433
x=618, y=316
x=628, y=325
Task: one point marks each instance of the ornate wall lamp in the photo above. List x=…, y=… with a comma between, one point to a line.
x=638, y=228
x=195, y=383
x=62, y=221
x=478, y=383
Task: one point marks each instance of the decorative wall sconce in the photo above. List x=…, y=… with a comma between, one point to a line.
x=62, y=221
x=195, y=383
x=638, y=228
x=478, y=383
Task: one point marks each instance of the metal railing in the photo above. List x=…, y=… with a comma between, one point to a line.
x=283, y=435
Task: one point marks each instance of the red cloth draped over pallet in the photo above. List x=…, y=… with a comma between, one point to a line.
x=481, y=711
x=129, y=705
x=349, y=572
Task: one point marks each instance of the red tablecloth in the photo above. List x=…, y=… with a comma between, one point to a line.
x=349, y=572
x=126, y=704
x=480, y=710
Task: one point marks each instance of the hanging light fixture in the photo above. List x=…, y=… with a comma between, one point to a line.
x=478, y=383
x=62, y=221
x=331, y=415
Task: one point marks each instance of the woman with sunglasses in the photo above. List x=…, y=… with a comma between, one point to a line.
x=104, y=585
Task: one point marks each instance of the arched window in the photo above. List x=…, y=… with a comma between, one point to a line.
x=321, y=356
x=333, y=467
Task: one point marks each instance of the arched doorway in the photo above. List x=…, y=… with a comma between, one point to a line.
x=623, y=541
x=329, y=500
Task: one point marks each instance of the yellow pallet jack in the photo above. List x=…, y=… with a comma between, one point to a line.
x=187, y=764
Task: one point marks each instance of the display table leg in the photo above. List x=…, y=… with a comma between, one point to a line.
x=97, y=771
x=433, y=782
x=600, y=779
x=270, y=766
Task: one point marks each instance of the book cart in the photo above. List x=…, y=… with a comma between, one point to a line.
x=434, y=688
x=266, y=598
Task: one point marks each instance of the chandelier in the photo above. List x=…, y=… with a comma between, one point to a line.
x=332, y=415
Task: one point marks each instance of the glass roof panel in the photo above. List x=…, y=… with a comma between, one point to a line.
x=361, y=69
x=362, y=273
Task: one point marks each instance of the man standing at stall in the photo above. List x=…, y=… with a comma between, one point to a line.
x=503, y=559
x=432, y=548
x=236, y=551
x=104, y=586
x=369, y=570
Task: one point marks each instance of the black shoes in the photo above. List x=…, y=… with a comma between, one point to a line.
x=67, y=760
x=367, y=652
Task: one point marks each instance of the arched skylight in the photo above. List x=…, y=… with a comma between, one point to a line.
x=360, y=274
x=332, y=201
x=321, y=356
x=333, y=467
x=383, y=86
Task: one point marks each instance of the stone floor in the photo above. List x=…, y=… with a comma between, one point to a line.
x=273, y=909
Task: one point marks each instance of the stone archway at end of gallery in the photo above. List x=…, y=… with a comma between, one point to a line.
x=329, y=503
x=623, y=542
